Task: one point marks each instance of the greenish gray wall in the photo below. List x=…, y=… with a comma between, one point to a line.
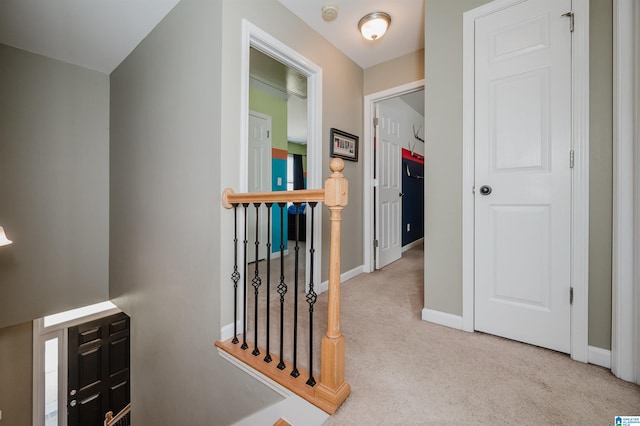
x=342, y=83
x=16, y=377
x=443, y=165
x=274, y=107
x=165, y=253
x=600, y=170
x=54, y=166
x=396, y=72
x=443, y=143
x=296, y=148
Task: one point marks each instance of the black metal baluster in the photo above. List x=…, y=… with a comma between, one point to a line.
x=256, y=282
x=311, y=299
x=295, y=372
x=282, y=287
x=245, y=270
x=235, y=276
x=267, y=357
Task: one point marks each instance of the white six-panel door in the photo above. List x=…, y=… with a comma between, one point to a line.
x=259, y=179
x=389, y=205
x=523, y=174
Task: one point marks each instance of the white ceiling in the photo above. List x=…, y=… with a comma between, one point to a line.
x=95, y=34
x=405, y=35
x=99, y=34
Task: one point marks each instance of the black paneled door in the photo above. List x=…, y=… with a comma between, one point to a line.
x=98, y=370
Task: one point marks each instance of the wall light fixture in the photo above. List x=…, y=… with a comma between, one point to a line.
x=4, y=241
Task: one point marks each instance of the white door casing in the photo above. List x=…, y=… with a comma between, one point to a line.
x=625, y=333
x=522, y=148
x=56, y=327
x=253, y=36
x=389, y=177
x=259, y=179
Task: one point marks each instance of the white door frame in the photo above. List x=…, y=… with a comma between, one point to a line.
x=252, y=36
x=262, y=234
x=580, y=183
x=59, y=327
x=369, y=114
x=625, y=297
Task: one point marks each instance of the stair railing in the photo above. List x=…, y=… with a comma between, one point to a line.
x=330, y=390
x=123, y=418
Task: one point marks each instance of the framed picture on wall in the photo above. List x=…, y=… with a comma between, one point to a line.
x=344, y=145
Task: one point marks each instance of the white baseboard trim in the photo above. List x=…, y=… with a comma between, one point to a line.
x=599, y=356
x=226, y=332
x=350, y=274
x=324, y=286
x=442, y=318
x=412, y=244
x=295, y=410
x=596, y=356
x=276, y=254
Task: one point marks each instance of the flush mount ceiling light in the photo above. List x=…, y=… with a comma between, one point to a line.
x=374, y=25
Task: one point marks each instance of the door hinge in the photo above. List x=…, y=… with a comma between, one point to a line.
x=375, y=243
x=268, y=134
x=571, y=295
x=571, y=159
x=571, y=20
x=375, y=121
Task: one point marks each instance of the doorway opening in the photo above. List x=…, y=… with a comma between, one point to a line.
x=277, y=144
x=51, y=394
x=393, y=171
x=301, y=83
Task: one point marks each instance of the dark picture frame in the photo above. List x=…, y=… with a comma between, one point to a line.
x=344, y=145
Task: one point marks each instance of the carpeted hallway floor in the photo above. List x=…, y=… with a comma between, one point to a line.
x=405, y=371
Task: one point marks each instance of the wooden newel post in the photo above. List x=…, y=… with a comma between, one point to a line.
x=332, y=387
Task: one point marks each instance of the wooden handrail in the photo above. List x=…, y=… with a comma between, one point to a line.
x=229, y=198
x=110, y=419
x=332, y=389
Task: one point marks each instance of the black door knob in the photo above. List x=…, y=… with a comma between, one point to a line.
x=485, y=190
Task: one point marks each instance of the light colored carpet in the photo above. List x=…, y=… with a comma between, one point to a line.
x=405, y=371
x=320, y=311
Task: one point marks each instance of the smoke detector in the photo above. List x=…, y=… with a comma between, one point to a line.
x=329, y=12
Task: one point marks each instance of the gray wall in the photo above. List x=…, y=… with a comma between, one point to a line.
x=174, y=146
x=600, y=171
x=443, y=164
x=16, y=365
x=54, y=136
x=396, y=72
x=164, y=220
x=443, y=143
